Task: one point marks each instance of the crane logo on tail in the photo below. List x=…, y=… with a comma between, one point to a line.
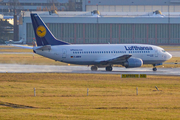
x=41, y=31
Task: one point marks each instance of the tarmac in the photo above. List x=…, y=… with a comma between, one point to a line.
x=17, y=68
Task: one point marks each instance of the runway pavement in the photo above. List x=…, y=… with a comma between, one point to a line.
x=16, y=68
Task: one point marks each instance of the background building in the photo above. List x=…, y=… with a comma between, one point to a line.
x=131, y=5
x=7, y=6
x=10, y=9
x=118, y=21
x=112, y=27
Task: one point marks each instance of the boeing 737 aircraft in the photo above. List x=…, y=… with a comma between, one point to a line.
x=96, y=55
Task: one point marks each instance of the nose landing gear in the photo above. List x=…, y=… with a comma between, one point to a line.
x=154, y=67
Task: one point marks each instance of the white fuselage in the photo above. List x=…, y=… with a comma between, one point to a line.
x=90, y=54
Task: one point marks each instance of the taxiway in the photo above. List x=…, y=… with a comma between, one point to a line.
x=16, y=68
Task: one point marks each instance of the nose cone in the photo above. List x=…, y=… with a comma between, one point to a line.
x=169, y=56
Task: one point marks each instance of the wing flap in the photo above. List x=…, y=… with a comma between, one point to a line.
x=119, y=59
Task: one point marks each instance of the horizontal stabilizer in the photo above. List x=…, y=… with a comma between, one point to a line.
x=46, y=47
x=22, y=46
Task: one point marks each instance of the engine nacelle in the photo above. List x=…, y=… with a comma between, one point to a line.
x=133, y=62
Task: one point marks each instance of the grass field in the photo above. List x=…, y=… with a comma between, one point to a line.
x=32, y=59
x=64, y=96
x=7, y=48
x=16, y=50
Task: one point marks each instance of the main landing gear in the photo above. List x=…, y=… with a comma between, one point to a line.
x=109, y=68
x=154, y=68
x=94, y=68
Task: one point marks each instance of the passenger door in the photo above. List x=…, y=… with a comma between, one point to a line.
x=64, y=53
x=156, y=53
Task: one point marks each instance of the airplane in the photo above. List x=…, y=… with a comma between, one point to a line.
x=94, y=55
x=14, y=42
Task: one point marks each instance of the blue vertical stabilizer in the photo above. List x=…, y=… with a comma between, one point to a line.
x=42, y=33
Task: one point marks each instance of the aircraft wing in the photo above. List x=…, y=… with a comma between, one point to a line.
x=22, y=46
x=119, y=59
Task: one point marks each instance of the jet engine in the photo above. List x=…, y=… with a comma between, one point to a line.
x=133, y=62
x=95, y=13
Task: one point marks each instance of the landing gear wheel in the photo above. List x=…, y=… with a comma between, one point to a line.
x=108, y=68
x=154, y=69
x=93, y=68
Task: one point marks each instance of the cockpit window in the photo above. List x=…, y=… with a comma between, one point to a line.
x=163, y=51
